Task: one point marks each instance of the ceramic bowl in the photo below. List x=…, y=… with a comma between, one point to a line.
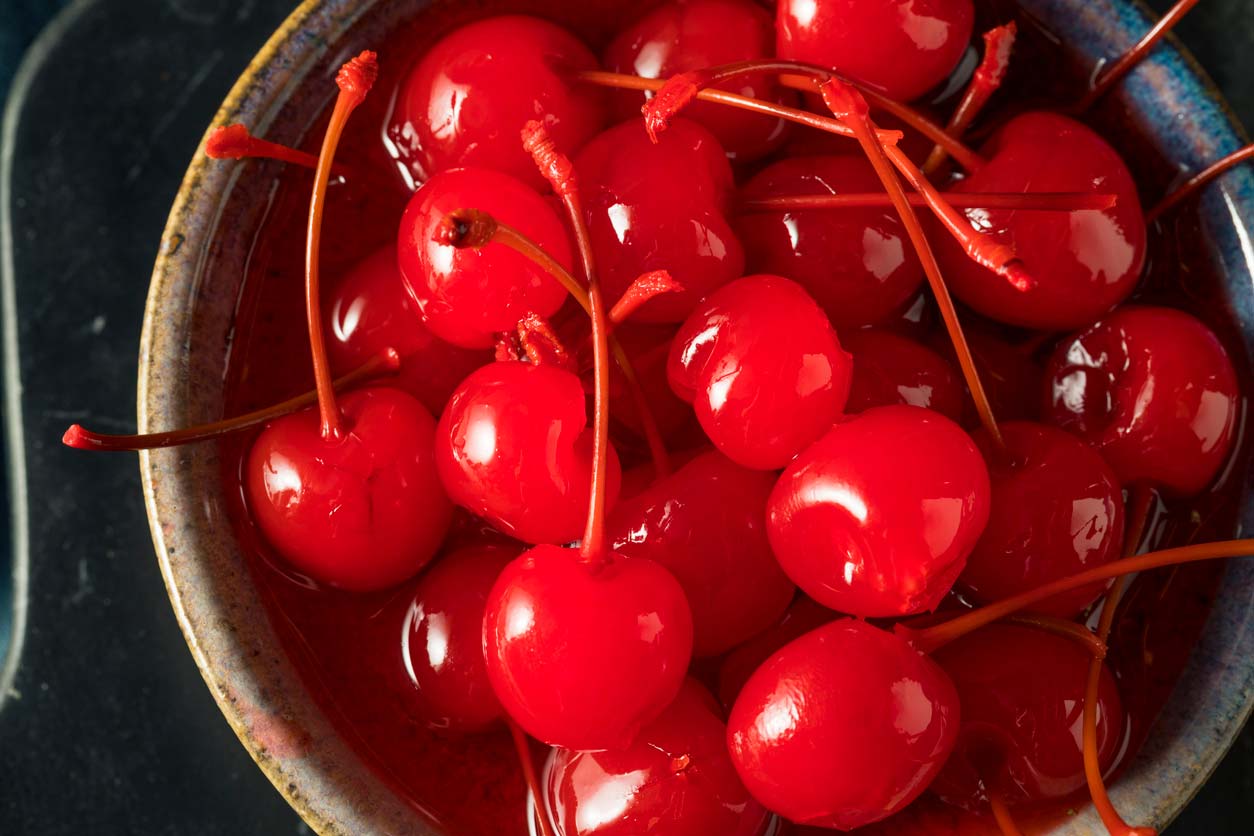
x=184, y=350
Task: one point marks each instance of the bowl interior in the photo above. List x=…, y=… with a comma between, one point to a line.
x=187, y=340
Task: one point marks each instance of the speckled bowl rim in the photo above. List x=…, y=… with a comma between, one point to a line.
x=234, y=646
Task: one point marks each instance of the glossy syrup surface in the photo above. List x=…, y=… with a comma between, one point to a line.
x=348, y=646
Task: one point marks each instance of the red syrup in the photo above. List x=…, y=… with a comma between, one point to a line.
x=347, y=646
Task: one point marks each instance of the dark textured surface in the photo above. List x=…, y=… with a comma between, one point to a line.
x=111, y=729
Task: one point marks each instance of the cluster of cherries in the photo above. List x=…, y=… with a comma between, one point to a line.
x=714, y=280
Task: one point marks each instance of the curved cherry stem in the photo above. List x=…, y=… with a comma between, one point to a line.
x=929, y=639
x=849, y=105
x=1199, y=181
x=235, y=142
x=1078, y=633
x=523, y=748
x=1030, y=202
x=1001, y=815
x=354, y=80
x=385, y=362
x=1109, y=78
x=998, y=44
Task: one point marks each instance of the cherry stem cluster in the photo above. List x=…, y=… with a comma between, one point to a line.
x=1109, y=78
x=1030, y=202
x=998, y=44
x=385, y=362
x=1199, y=181
x=354, y=79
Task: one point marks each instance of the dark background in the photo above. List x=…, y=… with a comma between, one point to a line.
x=109, y=728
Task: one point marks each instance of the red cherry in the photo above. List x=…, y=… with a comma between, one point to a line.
x=902, y=48
x=585, y=654
x=1022, y=697
x=843, y=727
x=467, y=100
x=692, y=34
x=468, y=295
x=363, y=511
x=762, y=366
x=890, y=369
x=370, y=311
x=706, y=523
x=737, y=666
x=1085, y=262
x=877, y=517
x=676, y=779
x=514, y=447
x=442, y=639
x=1153, y=390
x=1056, y=510
x=857, y=263
x=660, y=207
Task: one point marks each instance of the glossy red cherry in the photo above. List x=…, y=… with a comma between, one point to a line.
x=843, y=727
x=1086, y=262
x=890, y=369
x=900, y=47
x=1057, y=509
x=763, y=368
x=369, y=311
x=1022, y=696
x=468, y=295
x=361, y=512
x=688, y=35
x=706, y=523
x=584, y=654
x=802, y=616
x=1153, y=390
x=442, y=639
x=877, y=517
x=660, y=207
x=514, y=447
x=467, y=100
x=676, y=779
x=857, y=263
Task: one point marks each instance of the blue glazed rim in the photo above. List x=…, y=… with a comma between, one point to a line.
x=186, y=339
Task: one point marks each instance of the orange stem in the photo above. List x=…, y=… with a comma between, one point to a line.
x=354, y=80
x=1198, y=182
x=1078, y=633
x=529, y=775
x=1136, y=54
x=234, y=142
x=385, y=362
x=988, y=76
x=1001, y=815
x=1030, y=202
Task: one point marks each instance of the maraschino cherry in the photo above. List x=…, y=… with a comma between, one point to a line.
x=687, y=35
x=1056, y=509
x=660, y=206
x=706, y=523
x=442, y=639
x=468, y=295
x=1153, y=390
x=891, y=369
x=676, y=779
x=470, y=95
x=1085, y=262
x=857, y=263
x=1021, y=691
x=348, y=494
x=900, y=47
x=369, y=311
x=843, y=727
x=877, y=517
x=763, y=368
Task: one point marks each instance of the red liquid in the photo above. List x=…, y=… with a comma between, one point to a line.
x=347, y=647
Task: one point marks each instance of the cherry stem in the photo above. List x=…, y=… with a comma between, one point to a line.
x=234, y=142
x=1081, y=635
x=1136, y=54
x=1001, y=815
x=385, y=362
x=850, y=106
x=929, y=639
x=354, y=80
x=523, y=748
x=1198, y=182
x=1030, y=202
x=998, y=44
x=644, y=288
x=541, y=345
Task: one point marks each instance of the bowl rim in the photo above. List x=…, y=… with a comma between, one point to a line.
x=291, y=740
